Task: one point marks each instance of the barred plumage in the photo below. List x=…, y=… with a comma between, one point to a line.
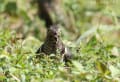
x=53, y=43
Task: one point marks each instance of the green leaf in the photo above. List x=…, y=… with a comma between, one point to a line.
x=25, y=16
x=102, y=68
x=11, y=8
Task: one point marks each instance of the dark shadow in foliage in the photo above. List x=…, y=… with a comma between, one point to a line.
x=11, y=8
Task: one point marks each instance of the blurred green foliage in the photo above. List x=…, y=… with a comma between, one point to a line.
x=94, y=43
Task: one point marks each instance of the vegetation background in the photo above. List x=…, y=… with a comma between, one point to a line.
x=93, y=38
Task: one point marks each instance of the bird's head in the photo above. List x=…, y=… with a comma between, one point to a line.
x=53, y=30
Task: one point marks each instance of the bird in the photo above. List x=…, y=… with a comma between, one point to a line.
x=53, y=42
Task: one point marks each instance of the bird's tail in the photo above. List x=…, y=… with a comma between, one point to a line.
x=44, y=10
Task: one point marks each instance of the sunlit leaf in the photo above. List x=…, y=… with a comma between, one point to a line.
x=115, y=51
x=114, y=71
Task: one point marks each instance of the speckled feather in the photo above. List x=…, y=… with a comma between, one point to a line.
x=54, y=43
